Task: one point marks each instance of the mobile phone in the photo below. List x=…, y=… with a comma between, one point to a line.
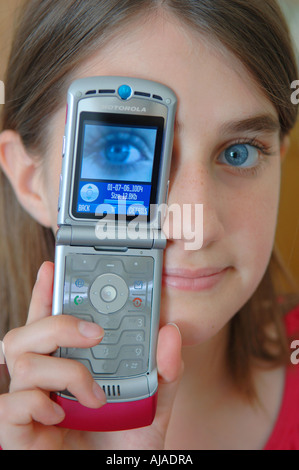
x=109, y=246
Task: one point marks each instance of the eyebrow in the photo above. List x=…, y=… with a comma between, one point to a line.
x=265, y=123
x=261, y=123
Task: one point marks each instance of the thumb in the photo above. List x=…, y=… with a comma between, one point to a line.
x=170, y=369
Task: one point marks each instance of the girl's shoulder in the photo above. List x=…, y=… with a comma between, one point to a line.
x=292, y=321
x=285, y=435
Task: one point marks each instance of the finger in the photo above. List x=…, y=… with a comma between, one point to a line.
x=169, y=357
x=19, y=414
x=46, y=335
x=41, y=302
x=33, y=372
x=23, y=407
x=170, y=368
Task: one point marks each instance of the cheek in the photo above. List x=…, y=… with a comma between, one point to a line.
x=246, y=244
x=253, y=230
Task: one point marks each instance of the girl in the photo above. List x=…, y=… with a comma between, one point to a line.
x=231, y=66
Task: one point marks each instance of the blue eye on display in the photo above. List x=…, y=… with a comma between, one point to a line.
x=118, y=168
x=125, y=147
x=123, y=153
x=118, y=152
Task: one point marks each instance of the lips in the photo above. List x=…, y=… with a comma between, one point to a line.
x=197, y=280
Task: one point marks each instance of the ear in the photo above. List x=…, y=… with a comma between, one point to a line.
x=23, y=172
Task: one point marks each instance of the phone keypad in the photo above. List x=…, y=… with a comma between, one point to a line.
x=116, y=293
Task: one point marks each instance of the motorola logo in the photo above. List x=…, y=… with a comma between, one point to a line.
x=126, y=108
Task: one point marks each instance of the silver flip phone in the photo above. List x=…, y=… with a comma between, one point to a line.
x=109, y=247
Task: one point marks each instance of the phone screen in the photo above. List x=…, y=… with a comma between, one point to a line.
x=118, y=161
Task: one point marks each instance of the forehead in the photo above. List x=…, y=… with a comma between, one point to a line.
x=205, y=76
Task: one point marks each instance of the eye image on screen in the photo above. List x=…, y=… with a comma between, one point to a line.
x=118, y=152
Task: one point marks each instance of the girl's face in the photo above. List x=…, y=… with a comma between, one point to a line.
x=226, y=157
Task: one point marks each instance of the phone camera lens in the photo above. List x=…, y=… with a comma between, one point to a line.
x=125, y=92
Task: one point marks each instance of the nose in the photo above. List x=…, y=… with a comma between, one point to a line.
x=194, y=207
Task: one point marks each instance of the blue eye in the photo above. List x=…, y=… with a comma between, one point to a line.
x=118, y=152
x=123, y=148
x=240, y=155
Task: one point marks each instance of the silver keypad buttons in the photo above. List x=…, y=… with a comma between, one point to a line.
x=115, y=292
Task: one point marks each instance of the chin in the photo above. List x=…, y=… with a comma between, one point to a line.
x=196, y=323
x=200, y=316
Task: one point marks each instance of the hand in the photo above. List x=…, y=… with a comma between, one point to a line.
x=28, y=415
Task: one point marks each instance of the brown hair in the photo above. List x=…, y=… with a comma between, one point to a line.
x=51, y=40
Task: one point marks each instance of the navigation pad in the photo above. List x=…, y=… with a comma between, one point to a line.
x=108, y=293
x=115, y=292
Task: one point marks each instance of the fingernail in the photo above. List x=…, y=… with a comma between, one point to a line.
x=38, y=274
x=99, y=393
x=58, y=410
x=176, y=326
x=91, y=330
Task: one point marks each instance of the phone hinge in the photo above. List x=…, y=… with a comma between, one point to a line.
x=144, y=238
